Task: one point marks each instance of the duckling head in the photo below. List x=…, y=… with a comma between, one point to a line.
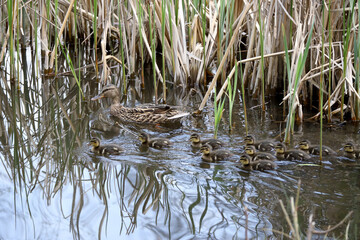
x=143, y=137
x=195, y=138
x=250, y=150
x=349, y=147
x=304, y=145
x=280, y=148
x=95, y=142
x=245, y=159
x=249, y=140
x=205, y=149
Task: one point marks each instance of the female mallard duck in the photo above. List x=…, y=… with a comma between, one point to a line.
x=145, y=114
x=248, y=163
x=350, y=152
x=214, y=143
x=294, y=154
x=306, y=146
x=263, y=146
x=251, y=151
x=154, y=142
x=210, y=155
x=108, y=149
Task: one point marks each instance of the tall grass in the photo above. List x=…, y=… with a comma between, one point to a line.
x=218, y=112
x=231, y=91
x=200, y=43
x=294, y=82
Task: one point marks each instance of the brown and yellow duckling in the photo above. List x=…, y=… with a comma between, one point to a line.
x=197, y=142
x=108, y=149
x=210, y=155
x=293, y=154
x=154, y=142
x=306, y=146
x=263, y=146
x=145, y=114
x=248, y=163
x=350, y=151
x=251, y=151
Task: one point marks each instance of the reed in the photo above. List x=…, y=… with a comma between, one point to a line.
x=294, y=85
x=231, y=93
x=140, y=17
x=163, y=13
x=262, y=56
x=199, y=44
x=218, y=112
x=357, y=69
x=292, y=219
x=153, y=42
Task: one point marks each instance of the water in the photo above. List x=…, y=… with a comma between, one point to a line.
x=53, y=187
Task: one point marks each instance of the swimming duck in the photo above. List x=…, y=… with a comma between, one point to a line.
x=251, y=151
x=210, y=155
x=350, y=152
x=214, y=143
x=263, y=146
x=248, y=163
x=154, y=142
x=293, y=154
x=145, y=114
x=306, y=146
x=108, y=149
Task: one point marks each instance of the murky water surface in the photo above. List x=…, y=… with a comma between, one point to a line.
x=53, y=187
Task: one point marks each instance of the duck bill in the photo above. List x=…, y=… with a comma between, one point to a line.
x=97, y=97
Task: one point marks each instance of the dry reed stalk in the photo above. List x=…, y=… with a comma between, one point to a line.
x=51, y=64
x=146, y=42
x=219, y=71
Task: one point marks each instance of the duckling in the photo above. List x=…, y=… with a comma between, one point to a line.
x=248, y=163
x=251, y=151
x=214, y=143
x=350, y=152
x=108, y=149
x=210, y=155
x=263, y=146
x=293, y=154
x=154, y=142
x=315, y=149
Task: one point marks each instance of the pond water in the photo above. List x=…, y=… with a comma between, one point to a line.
x=53, y=187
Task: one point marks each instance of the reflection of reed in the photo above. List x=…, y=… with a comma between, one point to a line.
x=147, y=191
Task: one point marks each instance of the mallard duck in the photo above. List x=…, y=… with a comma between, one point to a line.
x=142, y=114
x=214, y=143
x=251, y=151
x=350, y=152
x=306, y=146
x=154, y=142
x=248, y=163
x=293, y=154
x=263, y=146
x=108, y=149
x=210, y=155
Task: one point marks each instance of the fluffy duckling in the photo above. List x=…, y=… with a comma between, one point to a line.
x=293, y=154
x=263, y=146
x=154, y=142
x=108, y=149
x=251, y=151
x=350, y=152
x=248, y=163
x=197, y=142
x=210, y=155
x=306, y=146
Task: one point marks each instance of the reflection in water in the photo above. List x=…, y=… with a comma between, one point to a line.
x=50, y=180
